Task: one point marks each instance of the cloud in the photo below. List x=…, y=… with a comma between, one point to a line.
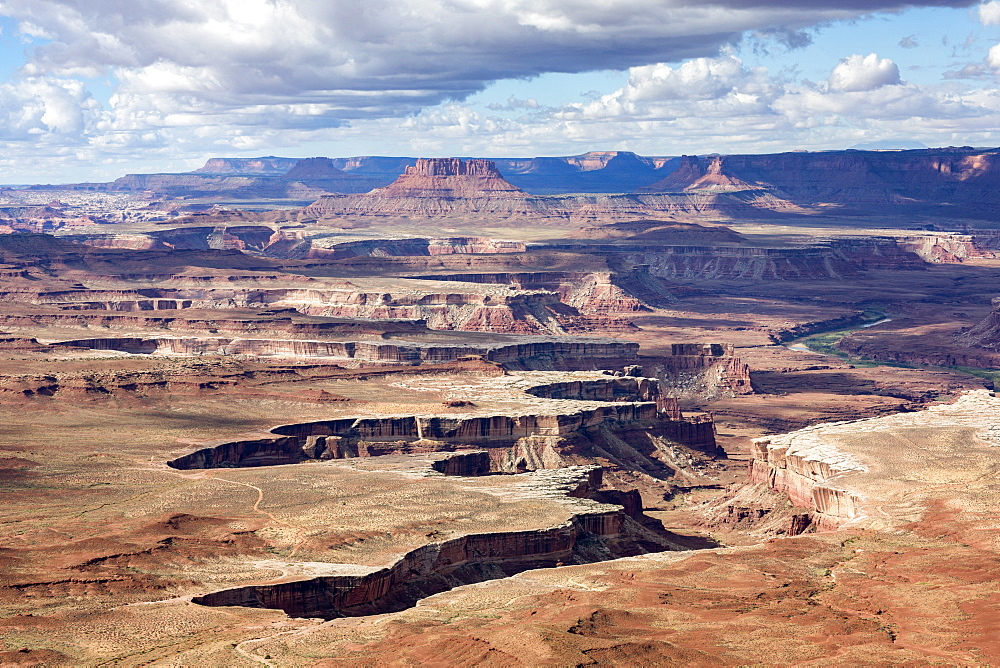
x=721, y=104
x=986, y=68
x=354, y=59
x=515, y=103
x=989, y=13
x=909, y=42
x=863, y=73
x=38, y=107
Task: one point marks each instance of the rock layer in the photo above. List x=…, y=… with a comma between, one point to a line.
x=586, y=538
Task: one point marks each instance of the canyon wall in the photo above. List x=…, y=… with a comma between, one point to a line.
x=372, y=437
x=702, y=369
x=803, y=468
x=540, y=351
x=435, y=568
x=515, y=441
x=594, y=533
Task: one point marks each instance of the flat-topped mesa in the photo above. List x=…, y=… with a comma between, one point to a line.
x=314, y=168
x=451, y=177
x=436, y=187
x=453, y=167
x=264, y=166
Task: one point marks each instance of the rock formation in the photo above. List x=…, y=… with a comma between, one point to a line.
x=886, y=182
x=925, y=179
x=705, y=174
x=707, y=370
x=436, y=187
x=597, y=535
x=801, y=466
x=514, y=442
x=265, y=166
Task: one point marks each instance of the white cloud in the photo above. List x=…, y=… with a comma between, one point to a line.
x=863, y=73
x=383, y=58
x=989, y=13
x=703, y=87
x=39, y=107
x=720, y=104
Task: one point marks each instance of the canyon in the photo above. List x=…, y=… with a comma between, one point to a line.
x=602, y=409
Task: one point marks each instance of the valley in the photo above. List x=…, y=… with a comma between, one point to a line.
x=392, y=411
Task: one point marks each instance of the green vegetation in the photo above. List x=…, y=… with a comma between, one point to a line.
x=825, y=343
x=992, y=375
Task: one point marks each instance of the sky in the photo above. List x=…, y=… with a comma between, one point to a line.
x=93, y=89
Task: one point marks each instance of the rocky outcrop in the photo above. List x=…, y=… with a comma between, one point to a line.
x=475, y=463
x=702, y=369
x=501, y=313
x=612, y=388
x=537, y=350
x=377, y=436
x=313, y=168
x=439, y=187
x=803, y=467
x=589, y=536
x=693, y=173
x=628, y=290
x=257, y=326
x=432, y=569
x=450, y=178
x=520, y=440
x=943, y=248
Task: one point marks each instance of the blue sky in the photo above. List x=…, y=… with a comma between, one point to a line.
x=92, y=89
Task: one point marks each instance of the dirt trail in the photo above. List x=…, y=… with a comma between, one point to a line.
x=256, y=509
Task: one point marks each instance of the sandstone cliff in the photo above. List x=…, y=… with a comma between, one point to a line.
x=619, y=418
x=596, y=532
x=803, y=467
x=439, y=186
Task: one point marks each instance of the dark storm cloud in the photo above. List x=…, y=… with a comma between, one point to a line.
x=309, y=63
